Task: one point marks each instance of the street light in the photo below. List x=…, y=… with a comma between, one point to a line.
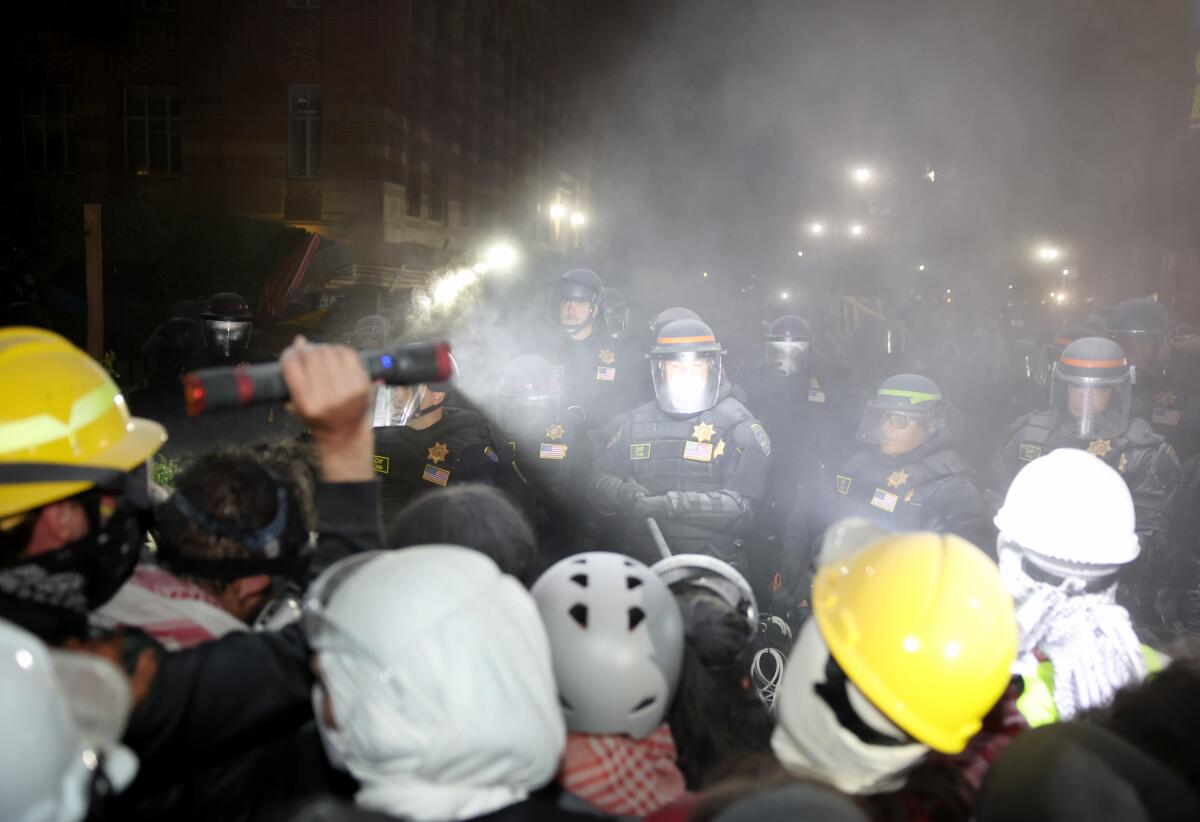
x=1066, y=272
x=863, y=175
x=799, y=253
x=558, y=211
x=783, y=295
x=856, y=230
x=1048, y=253
x=817, y=229
x=500, y=256
x=921, y=267
x=578, y=218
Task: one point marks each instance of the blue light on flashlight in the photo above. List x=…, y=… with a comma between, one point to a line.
x=386, y=361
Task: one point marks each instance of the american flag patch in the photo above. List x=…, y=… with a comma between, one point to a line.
x=438, y=476
x=885, y=501
x=1164, y=417
x=698, y=451
x=606, y=373
x=552, y=451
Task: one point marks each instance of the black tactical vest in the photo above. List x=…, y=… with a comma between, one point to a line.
x=892, y=493
x=696, y=453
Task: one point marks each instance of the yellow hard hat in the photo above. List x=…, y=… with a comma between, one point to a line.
x=63, y=422
x=924, y=628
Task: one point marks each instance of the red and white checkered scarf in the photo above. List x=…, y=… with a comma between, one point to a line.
x=622, y=776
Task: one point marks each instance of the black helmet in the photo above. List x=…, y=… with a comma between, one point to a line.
x=1138, y=316
x=528, y=395
x=685, y=364
x=670, y=315
x=903, y=399
x=1053, y=350
x=788, y=342
x=227, y=323
x=579, y=286
x=616, y=312
x=371, y=332
x=1092, y=391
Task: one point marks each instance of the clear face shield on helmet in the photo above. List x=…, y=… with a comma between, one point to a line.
x=398, y=405
x=688, y=382
x=1043, y=366
x=898, y=430
x=532, y=412
x=1092, y=408
x=227, y=337
x=893, y=342
x=788, y=356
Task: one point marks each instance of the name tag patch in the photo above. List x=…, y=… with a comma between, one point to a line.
x=639, y=451
x=382, y=464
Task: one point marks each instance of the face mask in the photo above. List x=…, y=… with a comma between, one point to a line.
x=332, y=739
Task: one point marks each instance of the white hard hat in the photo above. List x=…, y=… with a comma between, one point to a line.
x=616, y=637
x=1072, y=507
x=60, y=712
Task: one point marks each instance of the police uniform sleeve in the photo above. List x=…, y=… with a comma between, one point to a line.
x=610, y=489
x=956, y=506
x=1153, y=475
x=1004, y=466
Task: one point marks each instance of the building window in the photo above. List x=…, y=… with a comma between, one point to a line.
x=153, y=142
x=304, y=131
x=47, y=114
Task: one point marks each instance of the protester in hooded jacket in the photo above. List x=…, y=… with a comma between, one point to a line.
x=617, y=637
x=435, y=688
x=1066, y=533
x=70, y=543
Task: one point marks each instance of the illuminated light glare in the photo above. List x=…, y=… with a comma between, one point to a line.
x=578, y=219
x=1010, y=285
x=817, y=228
x=863, y=175
x=480, y=268
x=705, y=274
x=783, y=295
x=386, y=361
x=931, y=175
x=1048, y=253
x=1066, y=272
x=912, y=644
x=952, y=650
x=24, y=658
x=1061, y=297
x=558, y=211
x=445, y=292
x=921, y=267
x=501, y=257
x=799, y=253
x=1053, y=294
x=856, y=230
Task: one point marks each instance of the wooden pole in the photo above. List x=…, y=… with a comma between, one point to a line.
x=93, y=253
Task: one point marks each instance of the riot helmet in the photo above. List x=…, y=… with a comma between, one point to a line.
x=789, y=340
x=370, y=332
x=616, y=312
x=577, y=300
x=1053, y=350
x=1092, y=389
x=905, y=412
x=685, y=364
x=528, y=397
x=1140, y=327
x=227, y=324
x=670, y=315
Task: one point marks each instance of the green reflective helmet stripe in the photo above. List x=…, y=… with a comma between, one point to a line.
x=915, y=397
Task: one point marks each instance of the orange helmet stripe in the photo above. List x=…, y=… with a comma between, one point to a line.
x=1094, y=363
x=684, y=340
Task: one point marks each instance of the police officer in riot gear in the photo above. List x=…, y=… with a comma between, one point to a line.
x=694, y=459
x=228, y=326
x=546, y=455
x=422, y=444
x=1164, y=375
x=1091, y=409
x=790, y=391
x=1033, y=392
x=594, y=369
x=907, y=477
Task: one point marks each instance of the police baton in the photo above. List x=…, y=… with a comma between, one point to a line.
x=218, y=389
x=657, y=535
